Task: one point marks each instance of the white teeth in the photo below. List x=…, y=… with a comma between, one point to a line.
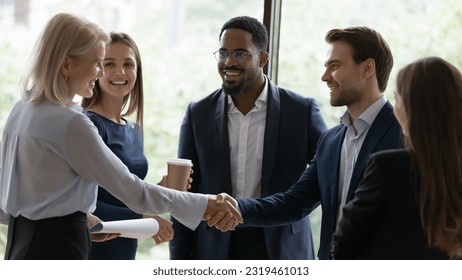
x=231, y=73
x=118, y=82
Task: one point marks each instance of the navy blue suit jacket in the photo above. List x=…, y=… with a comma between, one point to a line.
x=319, y=183
x=293, y=127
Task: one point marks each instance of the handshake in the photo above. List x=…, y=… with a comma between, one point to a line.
x=222, y=212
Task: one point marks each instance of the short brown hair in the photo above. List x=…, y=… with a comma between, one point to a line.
x=366, y=43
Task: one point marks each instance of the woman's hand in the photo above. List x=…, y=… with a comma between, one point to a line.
x=165, y=232
x=99, y=237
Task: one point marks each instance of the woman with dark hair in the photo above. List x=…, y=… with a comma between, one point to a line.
x=408, y=205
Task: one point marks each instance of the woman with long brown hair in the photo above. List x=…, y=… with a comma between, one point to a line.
x=116, y=96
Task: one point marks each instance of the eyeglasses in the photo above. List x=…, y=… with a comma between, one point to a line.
x=238, y=56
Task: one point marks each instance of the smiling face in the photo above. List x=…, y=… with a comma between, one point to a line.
x=83, y=72
x=120, y=70
x=343, y=75
x=239, y=77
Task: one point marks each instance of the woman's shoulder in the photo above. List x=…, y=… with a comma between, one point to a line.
x=392, y=159
x=392, y=154
x=97, y=119
x=92, y=115
x=55, y=114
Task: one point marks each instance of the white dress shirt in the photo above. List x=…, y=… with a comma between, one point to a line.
x=351, y=146
x=246, y=140
x=52, y=159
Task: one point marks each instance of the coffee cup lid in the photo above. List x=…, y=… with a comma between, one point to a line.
x=180, y=161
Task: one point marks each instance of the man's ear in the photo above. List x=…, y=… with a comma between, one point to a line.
x=369, y=67
x=264, y=56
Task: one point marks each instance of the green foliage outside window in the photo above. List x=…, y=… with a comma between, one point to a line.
x=177, y=39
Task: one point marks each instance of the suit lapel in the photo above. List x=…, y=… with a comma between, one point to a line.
x=376, y=132
x=221, y=142
x=271, y=134
x=335, y=154
x=221, y=120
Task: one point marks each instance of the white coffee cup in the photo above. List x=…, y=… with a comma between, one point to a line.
x=178, y=171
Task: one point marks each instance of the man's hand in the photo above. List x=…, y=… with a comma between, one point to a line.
x=222, y=212
x=165, y=232
x=99, y=237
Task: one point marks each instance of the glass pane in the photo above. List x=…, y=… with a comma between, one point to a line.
x=176, y=39
x=413, y=29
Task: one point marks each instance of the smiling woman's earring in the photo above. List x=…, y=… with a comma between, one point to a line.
x=67, y=76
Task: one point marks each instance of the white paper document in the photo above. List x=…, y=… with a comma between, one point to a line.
x=136, y=228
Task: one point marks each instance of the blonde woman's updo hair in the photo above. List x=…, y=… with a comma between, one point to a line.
x=64, y=35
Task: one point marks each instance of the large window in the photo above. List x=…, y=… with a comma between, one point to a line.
x=177, y=38
x=413, y=29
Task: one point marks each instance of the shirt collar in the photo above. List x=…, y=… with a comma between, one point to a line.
x=366, y=119
x=369, y=114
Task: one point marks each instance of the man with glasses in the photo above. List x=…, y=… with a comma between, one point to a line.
x=251, y=139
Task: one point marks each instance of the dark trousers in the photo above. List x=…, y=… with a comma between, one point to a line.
x=58, y=238
x=248, y=244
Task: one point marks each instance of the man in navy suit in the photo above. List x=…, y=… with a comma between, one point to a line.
x=358, y=66
x=250, y=138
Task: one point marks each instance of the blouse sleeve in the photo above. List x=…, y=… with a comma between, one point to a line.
x=88, y=155
x=4, y=218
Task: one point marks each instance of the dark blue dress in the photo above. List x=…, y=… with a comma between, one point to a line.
x=126, y=142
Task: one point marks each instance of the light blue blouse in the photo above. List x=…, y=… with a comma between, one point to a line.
x=52, y=159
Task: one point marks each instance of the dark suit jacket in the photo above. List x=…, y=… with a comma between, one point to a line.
x=293, y=127
x=382, y=220
x=319, y=183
